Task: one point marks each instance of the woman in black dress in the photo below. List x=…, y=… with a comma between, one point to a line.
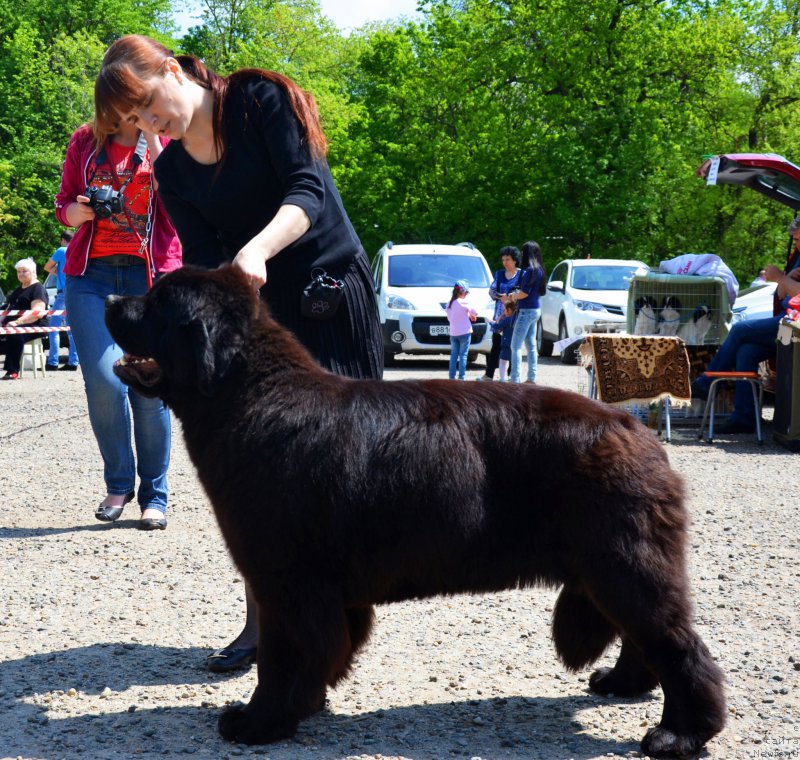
x=244, y=179
x=29, y=296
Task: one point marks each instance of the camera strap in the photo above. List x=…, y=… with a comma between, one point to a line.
x=138, y=158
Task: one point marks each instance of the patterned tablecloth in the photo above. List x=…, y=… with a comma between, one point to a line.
x=633, y=368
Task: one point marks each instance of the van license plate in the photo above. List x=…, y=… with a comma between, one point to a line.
x=440, y=329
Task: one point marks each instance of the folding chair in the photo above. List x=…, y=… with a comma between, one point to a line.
x=34, y=350
x=718, y=377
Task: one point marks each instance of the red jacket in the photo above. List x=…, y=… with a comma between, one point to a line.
x=165, y=249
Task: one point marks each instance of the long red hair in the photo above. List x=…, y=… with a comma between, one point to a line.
x=120, y=88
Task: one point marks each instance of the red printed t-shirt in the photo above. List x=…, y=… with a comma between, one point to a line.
x=114, y=235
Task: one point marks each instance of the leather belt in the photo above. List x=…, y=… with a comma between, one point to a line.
x=121, y=260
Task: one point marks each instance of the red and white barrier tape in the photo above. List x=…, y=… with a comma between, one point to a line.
x=15, y=330
x=17, y=313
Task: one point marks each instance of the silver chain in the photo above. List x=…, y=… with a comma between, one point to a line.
x=148, y=225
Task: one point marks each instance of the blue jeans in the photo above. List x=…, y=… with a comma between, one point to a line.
x=524, y=332
x=108, y=398
x=55, y=337
x=459, y=346
x=748, y=344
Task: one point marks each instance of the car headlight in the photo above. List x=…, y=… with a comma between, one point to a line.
x=589, y=306
x=398, y=302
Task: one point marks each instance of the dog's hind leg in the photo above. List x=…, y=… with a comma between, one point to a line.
x=297, y=651
x=359, y=625
x=651, y=608
x=580, y=632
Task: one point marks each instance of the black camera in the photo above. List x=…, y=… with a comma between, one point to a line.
x=105, y=201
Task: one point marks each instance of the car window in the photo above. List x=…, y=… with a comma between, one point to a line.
x=51, y=281
x=436, y=271
x=378, y=274
x=602, y=277
x=559, y=273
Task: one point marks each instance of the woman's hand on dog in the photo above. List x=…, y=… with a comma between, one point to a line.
x=250, y=260
x=290, y=223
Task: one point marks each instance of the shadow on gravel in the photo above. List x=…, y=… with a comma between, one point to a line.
x=496, y=728
x=738, y=444
x=97, y=527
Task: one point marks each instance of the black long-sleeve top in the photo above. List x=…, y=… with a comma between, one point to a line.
x=267, y=164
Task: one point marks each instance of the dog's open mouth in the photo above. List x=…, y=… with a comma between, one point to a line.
x=139, y=369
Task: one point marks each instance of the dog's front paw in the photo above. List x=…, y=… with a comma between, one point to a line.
x=660, y=742
x=237, y=724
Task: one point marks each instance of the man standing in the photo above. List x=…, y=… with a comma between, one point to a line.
x=56, y=266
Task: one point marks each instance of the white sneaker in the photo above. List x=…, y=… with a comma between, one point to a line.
x=484, y=379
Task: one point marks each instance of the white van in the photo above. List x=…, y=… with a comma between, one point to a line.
x=414, y=284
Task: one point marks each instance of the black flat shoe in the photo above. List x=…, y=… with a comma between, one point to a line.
x=734, y=426
x=152, y=523
x=227, y=659
x=699, y=389
x=110, y=514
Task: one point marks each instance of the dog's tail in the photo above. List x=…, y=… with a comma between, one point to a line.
x=580, y=632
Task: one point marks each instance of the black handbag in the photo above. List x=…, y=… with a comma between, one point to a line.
x=322, y=296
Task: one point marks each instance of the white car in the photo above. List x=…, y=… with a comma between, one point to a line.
x=414, y=284
x=50, y=285
x=583, y=296
x=754, y=302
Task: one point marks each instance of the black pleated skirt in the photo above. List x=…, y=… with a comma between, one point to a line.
x=350, y=343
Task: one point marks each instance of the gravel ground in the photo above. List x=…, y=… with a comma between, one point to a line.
x=104, y=629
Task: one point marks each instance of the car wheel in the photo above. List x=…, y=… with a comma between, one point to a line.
x=568, y=354
x=472, y=357
x=543, y=346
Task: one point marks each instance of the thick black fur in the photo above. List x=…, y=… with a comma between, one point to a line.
x=335, y=495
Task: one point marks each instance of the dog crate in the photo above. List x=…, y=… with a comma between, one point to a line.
x=696, y=309
x=786, y=421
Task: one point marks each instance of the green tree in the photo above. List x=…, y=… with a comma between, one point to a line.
x=50, y=53
x=580, y=126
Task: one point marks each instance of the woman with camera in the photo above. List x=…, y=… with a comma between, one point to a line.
x=124, y=239
x=245, y=180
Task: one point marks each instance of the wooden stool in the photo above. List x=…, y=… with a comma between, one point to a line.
x=35, y=350
x=755, y=385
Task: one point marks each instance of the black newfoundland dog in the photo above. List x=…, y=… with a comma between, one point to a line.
x=335, y=495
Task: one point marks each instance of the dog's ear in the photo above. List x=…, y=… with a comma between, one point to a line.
x=214, y=359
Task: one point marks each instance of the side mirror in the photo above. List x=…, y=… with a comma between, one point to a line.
x=556, y=286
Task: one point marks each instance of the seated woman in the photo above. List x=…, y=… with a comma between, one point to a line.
x=753, y=341
x=29, y=296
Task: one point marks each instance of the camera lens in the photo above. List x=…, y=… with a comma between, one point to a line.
x=102, y=211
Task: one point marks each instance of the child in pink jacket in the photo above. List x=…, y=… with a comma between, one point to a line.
x=460, y=315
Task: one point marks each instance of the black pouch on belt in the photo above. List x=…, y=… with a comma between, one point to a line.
x=322, y=296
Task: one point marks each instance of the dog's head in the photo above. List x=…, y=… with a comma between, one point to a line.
x=671, y=302
x=186, y=335
x=701, y=312
x=644, y=302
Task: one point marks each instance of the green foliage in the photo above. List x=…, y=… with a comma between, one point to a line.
x=578, y=125
x=50, y=53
